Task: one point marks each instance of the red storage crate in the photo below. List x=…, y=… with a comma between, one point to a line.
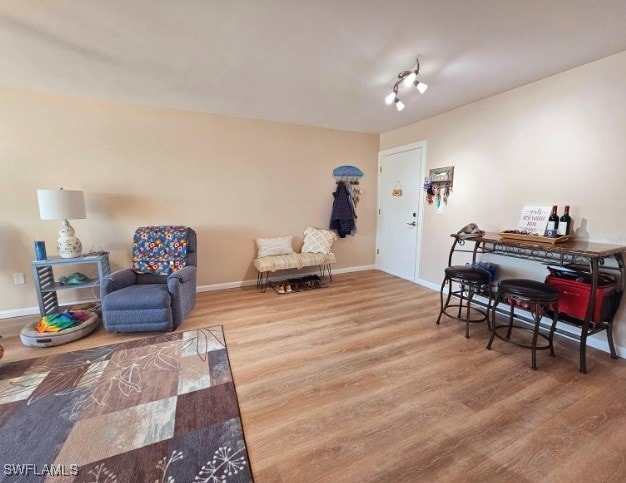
x=574, y=297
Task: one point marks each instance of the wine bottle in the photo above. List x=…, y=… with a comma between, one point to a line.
x=565, y=223
x=553, y=224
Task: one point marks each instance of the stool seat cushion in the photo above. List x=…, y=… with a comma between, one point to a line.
x=530, y=289
x=467, y=273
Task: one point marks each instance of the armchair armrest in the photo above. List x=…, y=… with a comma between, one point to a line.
x=117, y=280
x=181, y=285
x=183, y=275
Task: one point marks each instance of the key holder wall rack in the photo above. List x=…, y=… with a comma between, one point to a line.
x=438, y=185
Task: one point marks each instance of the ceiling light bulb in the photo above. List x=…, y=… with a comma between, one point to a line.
x=390, y=98
x=408, y=80
x=399, y=105
x=421, y=87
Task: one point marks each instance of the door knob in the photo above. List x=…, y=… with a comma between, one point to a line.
x=412, y=224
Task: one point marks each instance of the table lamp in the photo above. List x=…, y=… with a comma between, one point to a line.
x=63, y=205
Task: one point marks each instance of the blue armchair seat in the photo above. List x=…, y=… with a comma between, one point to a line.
x=134, y=302
x=137, y=297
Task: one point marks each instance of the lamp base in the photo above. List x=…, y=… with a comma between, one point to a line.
x=68, y=244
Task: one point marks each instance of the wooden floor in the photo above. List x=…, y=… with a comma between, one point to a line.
x=356, y=383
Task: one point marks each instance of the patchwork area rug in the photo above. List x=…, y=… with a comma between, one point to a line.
x=162, y=408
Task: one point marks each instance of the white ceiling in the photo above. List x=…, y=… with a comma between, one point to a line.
x=314, y=62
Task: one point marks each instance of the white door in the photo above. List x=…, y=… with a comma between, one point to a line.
x=399, y=198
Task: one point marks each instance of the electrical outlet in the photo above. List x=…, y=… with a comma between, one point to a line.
x=18, y=278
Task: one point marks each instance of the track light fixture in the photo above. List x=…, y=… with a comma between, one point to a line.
x=408, y=78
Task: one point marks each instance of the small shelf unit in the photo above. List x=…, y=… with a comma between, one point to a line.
x=47, y=288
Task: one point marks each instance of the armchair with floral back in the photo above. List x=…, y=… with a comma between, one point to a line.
x=159, y=290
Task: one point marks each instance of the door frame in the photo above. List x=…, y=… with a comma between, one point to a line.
x=420, y=214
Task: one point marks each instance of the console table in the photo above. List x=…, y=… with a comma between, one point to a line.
x=588, y=256
x=46, y=286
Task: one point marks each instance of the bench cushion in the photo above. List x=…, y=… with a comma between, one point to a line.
x=312, y=259
x=293, y=260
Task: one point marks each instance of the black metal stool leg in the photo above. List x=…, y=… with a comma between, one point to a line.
x=511, y=316
x=493, y=321
x=443, y=306
x=555, y=319
x=489, y=295
x=537, y=317
x=470, y=295
x=462, y=287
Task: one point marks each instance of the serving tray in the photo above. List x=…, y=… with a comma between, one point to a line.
x=535, y=238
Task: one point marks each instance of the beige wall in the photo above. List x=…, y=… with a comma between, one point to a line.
x=231, y=179
x=561, y=140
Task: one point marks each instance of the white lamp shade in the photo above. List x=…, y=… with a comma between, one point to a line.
x=408, y=80
x=61, y=204
x=390, y=98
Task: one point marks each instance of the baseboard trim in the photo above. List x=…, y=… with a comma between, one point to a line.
x=429, y=285
x=224, y=286
x=9, y=314
x=354, y=269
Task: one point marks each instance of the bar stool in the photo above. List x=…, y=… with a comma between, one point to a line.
x=470, y=280
x=538, y=296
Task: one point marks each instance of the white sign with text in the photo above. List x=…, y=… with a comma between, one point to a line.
x=534, y=219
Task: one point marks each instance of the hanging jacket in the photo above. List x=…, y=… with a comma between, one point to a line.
x=343, y=216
